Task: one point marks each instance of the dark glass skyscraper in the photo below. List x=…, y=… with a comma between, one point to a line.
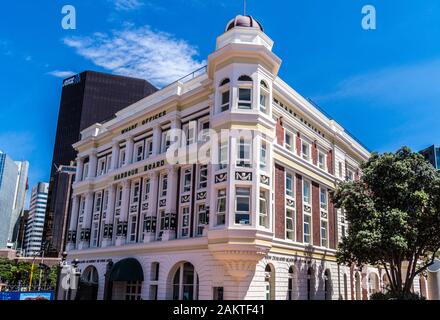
x=432, y=154
x=87, y=98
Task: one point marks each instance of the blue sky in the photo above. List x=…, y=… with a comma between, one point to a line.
x=382, y=85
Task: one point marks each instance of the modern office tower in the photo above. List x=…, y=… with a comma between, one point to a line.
x=20, y=197
x=35, y=223
x=8, y=186
x=432, y=154
x=86, y=98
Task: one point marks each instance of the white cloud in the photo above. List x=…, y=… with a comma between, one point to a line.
x=156, y=56
x=394, y=85
x=61, y=74
x=126, y=5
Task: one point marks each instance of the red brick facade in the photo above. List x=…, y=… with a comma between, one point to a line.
x=280, y=202
x=316, y=215
x=315, y=153
x=298, y=144
x=280, y=131
x=330, y=167
x=299, y=209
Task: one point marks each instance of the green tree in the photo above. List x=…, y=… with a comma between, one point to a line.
x=393, y=213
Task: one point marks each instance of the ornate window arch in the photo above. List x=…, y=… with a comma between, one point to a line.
x=185, y=282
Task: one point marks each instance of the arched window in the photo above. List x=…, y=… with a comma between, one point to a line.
x=292, y=285
x=327, y=285
x=245, y=78
x=224, y=82
x=385, y=283
x=225, y=95
x=264, y=97
x=269, y=283
x=373, y=283
x=185, y=282
x=88, y=286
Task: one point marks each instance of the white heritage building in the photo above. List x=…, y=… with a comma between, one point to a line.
x=254, y=223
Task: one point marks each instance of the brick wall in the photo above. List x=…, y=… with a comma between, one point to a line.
x=316, y=215
x=330, y=168
x=280, y=202
x=315, y=153
x=298, y=144
x=299, y=209
x=280, y=131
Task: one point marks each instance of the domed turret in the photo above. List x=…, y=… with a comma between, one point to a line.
x=244, y=22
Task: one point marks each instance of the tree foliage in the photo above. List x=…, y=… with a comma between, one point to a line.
x=19, y=273
x=393, y=213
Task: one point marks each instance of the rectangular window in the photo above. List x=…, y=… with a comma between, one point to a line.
x=223, y=155
x=146, y=190
x=263, y=212
x=190, y=132
x=133, y=226
x=166, y=141
x=307, y=224
x=340, y=169
x=350, y=175
x=263, y=102
x=153, y=292
x=187, y=180
x=164, y=186
x=105, y=201
x=323, y=199
x=204, y=131
x=226, y=97
x=221, y=207
x=306, y=192
x=242, y=205
x=85, y=171
x=244, y=153
x=108, y=163
x=101, y=166
x=185, y=222
x=98, y=202
x=289, y=185
x=202, y=219
x=95, y=233
x=289, y=141
x=244, y=98
x=135, y=192
x=305, y=149
x=290, y=224
x=323, y=233
x=203, y=177
x=148, y=148
x=321, y=160
x=119, y=197
x=139, y=152
x=263, y=155
x=122, y=158
x=133, y=290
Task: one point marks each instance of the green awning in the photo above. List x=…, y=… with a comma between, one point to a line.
x=127, y=270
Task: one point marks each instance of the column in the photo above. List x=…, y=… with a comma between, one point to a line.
x=79, y=169
x=109, y=218
x=85, y=231
x=93, y=162
x=170, y=209
x=115, y=156
x=150, y=233
x=121, y=231
x=129, y=150
x=157, y=136
x=73, y=224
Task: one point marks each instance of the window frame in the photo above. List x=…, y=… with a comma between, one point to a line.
x=221, y=197
x=237, y=212
x=244, y=162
